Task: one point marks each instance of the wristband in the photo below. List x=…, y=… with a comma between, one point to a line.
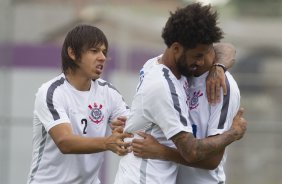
x=221, y=65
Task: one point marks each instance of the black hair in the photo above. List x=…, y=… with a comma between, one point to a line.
x=192, y=25
x=80, y=39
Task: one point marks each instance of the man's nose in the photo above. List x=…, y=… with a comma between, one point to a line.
x=102, y=56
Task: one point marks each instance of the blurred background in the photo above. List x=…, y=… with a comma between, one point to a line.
x=31, y=35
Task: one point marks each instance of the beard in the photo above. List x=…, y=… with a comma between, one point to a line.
x=182, y=66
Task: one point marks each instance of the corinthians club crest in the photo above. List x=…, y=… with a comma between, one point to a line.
x=95, y=113
x=194, y=102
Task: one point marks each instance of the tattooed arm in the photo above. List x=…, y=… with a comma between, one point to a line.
x=194, y=150
x=201, y=153
x=149, y=147
x=208, y=163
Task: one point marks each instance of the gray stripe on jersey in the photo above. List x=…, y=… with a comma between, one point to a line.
x=112, y=87
x=174, y=96
x=225, y=105
x=144, y=162
x=143, y=171
x=108, y=84
x=49, y=98
x=40, y=153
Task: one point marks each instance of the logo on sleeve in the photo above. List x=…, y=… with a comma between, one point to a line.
x=194, y=102
x=95, y=113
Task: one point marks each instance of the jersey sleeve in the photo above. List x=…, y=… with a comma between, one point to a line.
x=162, y=107
x=118, y=105
x=222, y=113
x=49, y=108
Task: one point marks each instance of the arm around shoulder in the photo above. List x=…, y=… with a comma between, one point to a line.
x=225, y=54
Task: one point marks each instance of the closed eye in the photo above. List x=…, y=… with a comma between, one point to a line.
x=200, y=56
x=94, y=50
x=97, y=50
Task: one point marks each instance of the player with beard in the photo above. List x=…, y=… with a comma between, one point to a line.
x=160, y=104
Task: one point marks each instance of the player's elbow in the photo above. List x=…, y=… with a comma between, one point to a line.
x=213, y=163
x=64, y=146
x=190, y=157
x=212, y=166
x=64, y=149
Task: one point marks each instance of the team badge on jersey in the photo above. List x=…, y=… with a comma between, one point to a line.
x=194, y=102
x=95, y=113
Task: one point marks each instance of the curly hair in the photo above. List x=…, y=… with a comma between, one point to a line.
x=192, y=25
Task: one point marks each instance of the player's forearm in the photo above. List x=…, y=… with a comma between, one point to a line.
x=211, y=146
x=172, y=154
x=210, y=163
x=81, y=145
x=225, y=54
x=194, y=150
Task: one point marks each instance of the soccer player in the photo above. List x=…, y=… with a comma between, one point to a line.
x=207, y=120
x=160, y=105
x=72, y=112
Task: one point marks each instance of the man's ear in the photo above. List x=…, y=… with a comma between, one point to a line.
x=177, y=49
x=71, y=53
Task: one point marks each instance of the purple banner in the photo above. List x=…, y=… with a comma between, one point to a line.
x=48, y=55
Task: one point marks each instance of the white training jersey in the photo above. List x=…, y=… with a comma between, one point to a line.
x=208, y=120
x=88, y=113
x=160, y=109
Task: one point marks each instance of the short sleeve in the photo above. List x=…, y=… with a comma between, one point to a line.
x=49, y=108
x=162, y=107
x=118, y=105
x=222, y=113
